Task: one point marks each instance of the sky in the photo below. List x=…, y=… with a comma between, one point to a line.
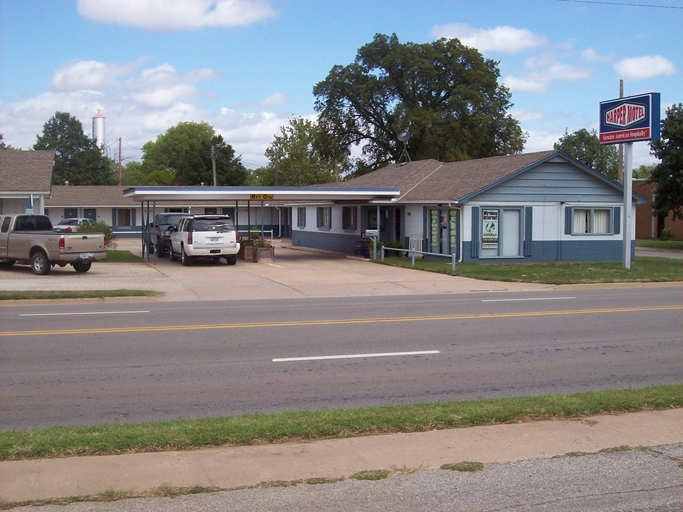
x=247, y=67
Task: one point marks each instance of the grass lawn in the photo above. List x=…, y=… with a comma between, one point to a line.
x=340, y=423
x=643, y=269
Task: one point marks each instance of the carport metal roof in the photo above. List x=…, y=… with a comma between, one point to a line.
x=286, y=194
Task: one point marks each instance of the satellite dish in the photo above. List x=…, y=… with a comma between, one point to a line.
x=404, y=136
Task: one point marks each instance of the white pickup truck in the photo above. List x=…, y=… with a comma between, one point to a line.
x=31, y=240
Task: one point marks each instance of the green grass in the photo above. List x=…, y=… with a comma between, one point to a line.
x=299, y=426
x=643, y=269
x=114, y=256
x=660, y=243
x=75, y=294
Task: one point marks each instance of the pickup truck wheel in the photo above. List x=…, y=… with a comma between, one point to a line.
x=184, y=258
x=232, y=259
x=82, y=267
x=171, y=254
x=40, y=264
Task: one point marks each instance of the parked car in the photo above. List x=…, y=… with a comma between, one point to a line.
x=73, y=223
x=159, y=232
x=204, y=236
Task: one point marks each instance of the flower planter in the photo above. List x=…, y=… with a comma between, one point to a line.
x=264, y=254
x=247, y=252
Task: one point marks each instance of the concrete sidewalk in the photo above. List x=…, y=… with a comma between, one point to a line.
x=232, y=467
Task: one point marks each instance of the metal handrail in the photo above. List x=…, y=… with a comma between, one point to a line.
x=413, y=252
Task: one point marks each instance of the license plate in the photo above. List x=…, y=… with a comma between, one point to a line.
x=87, y=256
x=213, y=239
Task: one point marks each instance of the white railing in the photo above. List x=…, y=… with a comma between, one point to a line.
x=413, y=253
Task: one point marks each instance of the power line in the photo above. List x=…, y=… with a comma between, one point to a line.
x=628, y=4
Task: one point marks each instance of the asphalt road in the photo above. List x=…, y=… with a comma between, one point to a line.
x=133, y=362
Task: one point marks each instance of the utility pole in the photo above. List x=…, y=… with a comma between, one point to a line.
x=119, y=161
x=277, y=165
x=213, y=163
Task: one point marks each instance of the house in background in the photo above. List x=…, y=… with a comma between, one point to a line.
x=535, y=207
x=649, y=225
x=25, y=180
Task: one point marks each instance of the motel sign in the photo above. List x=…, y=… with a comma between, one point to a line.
x=630, y=119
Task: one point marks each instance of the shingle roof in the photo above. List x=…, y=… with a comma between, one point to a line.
x=431, y=180
x=88, y=196
x=26, y=171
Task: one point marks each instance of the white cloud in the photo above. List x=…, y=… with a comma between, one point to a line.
x=274, y=100
x=648, y=66
x=504, y=39
x=89, y=75
x=162, y=86
x=538, y=81
x=169, y=15
x=590, y=55
x=527, y=116
x=138, y=107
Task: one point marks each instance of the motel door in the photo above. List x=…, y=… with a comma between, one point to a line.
x=444, y=236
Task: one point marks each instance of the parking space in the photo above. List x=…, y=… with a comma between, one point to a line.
x=295, y=273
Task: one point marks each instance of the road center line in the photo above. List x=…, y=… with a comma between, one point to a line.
x=73, y=313
x=528, y=299
x=347, y=321
x=355, y=356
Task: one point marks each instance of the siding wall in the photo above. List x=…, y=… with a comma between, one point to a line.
x=553, y=182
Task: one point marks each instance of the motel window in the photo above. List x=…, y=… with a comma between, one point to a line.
x=301, y=217
x=591, y=221
x=349, y=218
x=123, y=217
x=324, y=217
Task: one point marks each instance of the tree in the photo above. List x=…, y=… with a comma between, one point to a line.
x=185, y=152
x=295, y=158
x=668, y=175
x=586, y=148
x=644, y=171
x=446, y=94
x=78, y=160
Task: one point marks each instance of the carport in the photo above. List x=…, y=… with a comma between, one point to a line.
x=150, y=197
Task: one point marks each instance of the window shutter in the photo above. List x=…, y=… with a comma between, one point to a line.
x=617, y=220
x=528, y=230
x=568, y=214
x=475, y=232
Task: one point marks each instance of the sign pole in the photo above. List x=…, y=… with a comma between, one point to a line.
x=628, y=188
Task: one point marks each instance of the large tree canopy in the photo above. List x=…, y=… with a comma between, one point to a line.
x=669, y=173
x=78, y=160
x=586, y=148
x=185, y=153
x=295, y=158
x=446, y=94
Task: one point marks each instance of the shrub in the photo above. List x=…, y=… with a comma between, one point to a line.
x=99, y=227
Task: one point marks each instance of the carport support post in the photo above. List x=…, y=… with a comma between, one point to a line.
x=628, y=188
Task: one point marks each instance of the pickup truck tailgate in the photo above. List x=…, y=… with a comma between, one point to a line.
x=83, y=242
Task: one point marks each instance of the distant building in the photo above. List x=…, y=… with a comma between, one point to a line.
x=25, y=180
x=649, y=225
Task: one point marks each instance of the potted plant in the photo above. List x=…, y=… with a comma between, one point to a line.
x=263, y=250
x=256, y=249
